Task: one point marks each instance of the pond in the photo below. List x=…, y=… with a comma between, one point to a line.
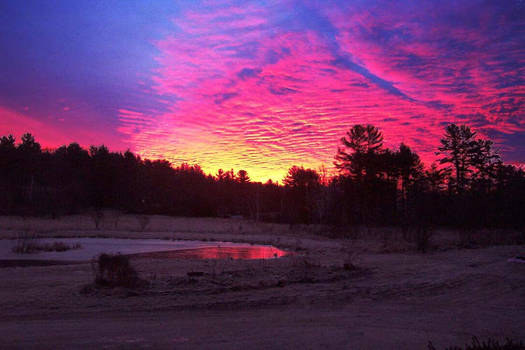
x=88, y=248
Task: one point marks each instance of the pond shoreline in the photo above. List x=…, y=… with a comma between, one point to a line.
x=89, y=248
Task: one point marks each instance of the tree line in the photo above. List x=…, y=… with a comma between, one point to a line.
x=469, y=187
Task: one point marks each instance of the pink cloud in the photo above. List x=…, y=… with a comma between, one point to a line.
x=253, y=95
x=52, y=133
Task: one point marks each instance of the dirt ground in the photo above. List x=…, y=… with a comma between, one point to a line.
x=359, y=293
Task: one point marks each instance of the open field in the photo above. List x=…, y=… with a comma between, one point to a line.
x=365, y=292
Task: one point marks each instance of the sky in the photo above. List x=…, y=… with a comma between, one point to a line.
x=261, y=85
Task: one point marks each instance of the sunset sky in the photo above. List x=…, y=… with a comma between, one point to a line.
x=261, y=85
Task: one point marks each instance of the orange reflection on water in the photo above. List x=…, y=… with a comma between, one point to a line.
x=242, y=253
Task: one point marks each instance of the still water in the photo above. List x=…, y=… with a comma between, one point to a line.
x=91, y=247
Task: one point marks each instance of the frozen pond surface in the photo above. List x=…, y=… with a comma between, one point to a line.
x=91, y=247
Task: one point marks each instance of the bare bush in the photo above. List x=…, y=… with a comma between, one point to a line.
x=144, y=221
x=490, y=344
x=471, y=238
x=29, y=244
x=466, y=238
x=97, y=216
x=420, y=235
x=351, y=257
x=305, y=267
x=350, y=261
x=114, y=271
x=422, y=238
x=112, y=218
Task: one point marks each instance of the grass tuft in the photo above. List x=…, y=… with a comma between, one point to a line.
x=29, y=244
x=490, y=344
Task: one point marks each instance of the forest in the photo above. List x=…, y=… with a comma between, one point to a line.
x=469, y=187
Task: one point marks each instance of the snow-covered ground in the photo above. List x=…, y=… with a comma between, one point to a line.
x=395, y=298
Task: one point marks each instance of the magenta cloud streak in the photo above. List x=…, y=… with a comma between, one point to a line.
x=264, y=88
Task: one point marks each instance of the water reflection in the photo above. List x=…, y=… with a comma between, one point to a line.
x=242, y=253
x=92, y=247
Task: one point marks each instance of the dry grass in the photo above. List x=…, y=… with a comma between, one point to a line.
x=379, y=239
x=143, y=221
x=490, y=344
x=111, y=220
x=114, y=271
x=28, y=243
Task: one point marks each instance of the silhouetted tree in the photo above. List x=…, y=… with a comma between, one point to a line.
x=7, y=143
x=375, y=186
x=299, y=177
x=302, y=187
x=434, y=178
x=8, y=173
x=30, y=152
x=242, y=176
x=484, y=160
x=359, y=154
x=364, y=160
x=458, y=144
x=409, y=167
x=29, y=145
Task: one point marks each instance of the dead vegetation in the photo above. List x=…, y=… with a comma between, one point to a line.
x=471, y=238
x=111, y=223
x=143, y=221
x=490, y=344
x=324, y=274
x=97, y=216
x=223, y=276
x=214, y=276
x=28, y=243
x=113, y=271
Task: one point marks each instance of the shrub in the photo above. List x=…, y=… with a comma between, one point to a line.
x=144, y=221
x=97, y=216
x=423, y=235
x=418, y=234
x=115, y=271
x=58, y=247
x=28, y=244
x=489, y=345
